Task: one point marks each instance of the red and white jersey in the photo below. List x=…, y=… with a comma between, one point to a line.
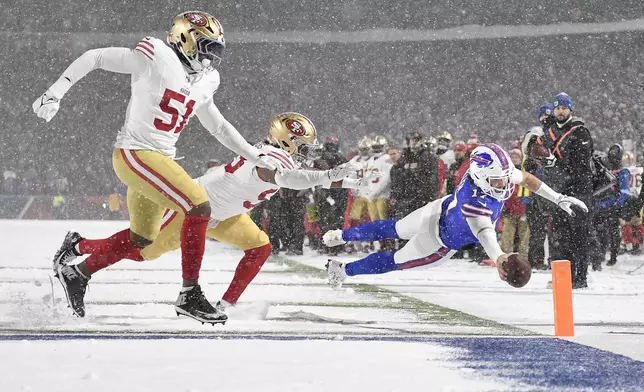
x=235, y=188
x=381, y=187
x=360, y=173
x=163, y=99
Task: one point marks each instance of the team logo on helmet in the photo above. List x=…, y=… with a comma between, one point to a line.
x=197, y=19
x=295, y=127
x=482, y=159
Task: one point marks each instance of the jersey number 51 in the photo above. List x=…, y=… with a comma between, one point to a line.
x=172, y=126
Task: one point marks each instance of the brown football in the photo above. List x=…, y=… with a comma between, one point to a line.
x=519, y=271
x=539, y=151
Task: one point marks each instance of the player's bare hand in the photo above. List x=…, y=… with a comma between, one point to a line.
x=46, y=106
x=341, y=171
x=499, y=265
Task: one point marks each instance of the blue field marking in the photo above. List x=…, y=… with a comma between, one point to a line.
x=550, y=363
x=546, y=364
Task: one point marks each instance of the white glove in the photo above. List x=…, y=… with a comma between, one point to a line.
x=566, y=202
x=267, y=162
x=341, y=171
x=549, y=161
x=333, y=238
x=46, y=106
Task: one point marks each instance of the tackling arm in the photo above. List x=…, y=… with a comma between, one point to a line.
x=303, y=179
x=212, y=119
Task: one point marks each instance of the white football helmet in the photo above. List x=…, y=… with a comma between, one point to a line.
x=491, y=162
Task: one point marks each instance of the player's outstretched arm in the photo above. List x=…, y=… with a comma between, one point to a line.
x=121, y=60
x=540, y=188
x=212, y=119
x=303, y=179
x=484, y=231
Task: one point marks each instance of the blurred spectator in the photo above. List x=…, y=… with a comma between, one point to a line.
x=414, y=178
x=10, y=183
x=59, y=207
x=331, y=203
x=460, y=156
x=515, y=223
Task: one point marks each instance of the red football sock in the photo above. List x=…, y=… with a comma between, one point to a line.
x=134, y=256
x=246, y=271
x=193, y=244
x=107, y=251
x=355, y=222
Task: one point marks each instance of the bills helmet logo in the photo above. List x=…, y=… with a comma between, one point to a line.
x=197, y=19
x=482, y=159
x=295, y=127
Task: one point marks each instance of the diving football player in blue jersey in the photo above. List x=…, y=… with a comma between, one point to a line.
x=442, y=227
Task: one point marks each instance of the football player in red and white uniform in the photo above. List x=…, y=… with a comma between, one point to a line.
x=235, y=188
x=171, y=81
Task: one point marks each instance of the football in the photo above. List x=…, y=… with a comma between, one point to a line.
x=519, y=271
x=539, y=151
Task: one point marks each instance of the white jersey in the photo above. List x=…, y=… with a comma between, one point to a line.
x=362, y=161
x=381, y=187
x=163, y=99
x=448, y=157
x=235, y=188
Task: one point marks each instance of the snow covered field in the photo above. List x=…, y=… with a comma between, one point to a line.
x=451, y=328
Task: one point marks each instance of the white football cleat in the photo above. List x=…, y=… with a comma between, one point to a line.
x=337, y=274
x=333, y=238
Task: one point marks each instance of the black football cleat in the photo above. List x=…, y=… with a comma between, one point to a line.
x=66, y=253
x=75, y=285
x=193, y=303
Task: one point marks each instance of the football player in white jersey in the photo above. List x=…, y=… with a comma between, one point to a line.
x=170, y=82
x=360, y=202
x=380, y=190
x=235, y=188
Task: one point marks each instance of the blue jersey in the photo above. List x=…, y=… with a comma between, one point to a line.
x=468, y=200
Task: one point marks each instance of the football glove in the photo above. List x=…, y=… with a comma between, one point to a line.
x=566, y=202
x=46, y=106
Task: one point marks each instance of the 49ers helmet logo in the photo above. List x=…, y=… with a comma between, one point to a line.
x=197, y=19
x=295, y=127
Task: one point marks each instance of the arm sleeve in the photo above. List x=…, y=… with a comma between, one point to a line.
x=212, y=119
x=301, y=179
x=484, y=231
x=121, y=60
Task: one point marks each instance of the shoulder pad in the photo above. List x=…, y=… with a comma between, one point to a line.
x=148, y=47
x=285, y=160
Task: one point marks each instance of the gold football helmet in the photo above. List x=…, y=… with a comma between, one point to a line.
x=364, y=147
x=295, y=134
x=445, y=138
x=379, y=144
x=198, y=39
